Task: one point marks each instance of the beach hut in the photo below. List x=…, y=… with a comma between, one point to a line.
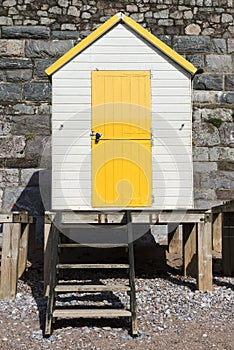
x=121, y=122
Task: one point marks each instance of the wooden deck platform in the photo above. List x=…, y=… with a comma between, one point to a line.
x=197, y=235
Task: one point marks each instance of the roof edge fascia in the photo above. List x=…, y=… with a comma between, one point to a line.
x=189, y=67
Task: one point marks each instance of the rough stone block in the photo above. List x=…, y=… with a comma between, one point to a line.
x=196, y=179
x=5, y=125
x=9, y=177
x=204, y=194
x=21, y=108
x=165, y=22
x=205, y=134
x=230, y=42
x=35, y=32
x=20, y=163
x=131, y=8
x=191, y=44
x=225, y=194
x=65, y=34
x=217, y=179
x=40, y=48
x=10, y=92
x=208, y=82
x=44, y=108
x=227, y=166
x=203, y=167
x=30, y=177
x=73, y=11
x=193, y=29
x=224, y=114
x=165, y=38
x=226, y=130
x=229, y=82
x=196, y=60
x=1, y=76
x=201, y=154
x=226, y=18
x=219, y=153
x=12, y=147
x=204, y=204
x=218, y=63
x=219, y=46
x=162, y=14
x=40, y=65
x=37, y=91
x=35, y=146
x=203, y=97
x=11, y=196
x=5, y=21
x=11, y=48
x=138, y=17
x=15, y=63
x=19, y=75
x=31, y=125
x=1, y=198
x=226, y=97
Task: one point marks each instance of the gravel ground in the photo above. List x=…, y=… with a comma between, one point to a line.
x=172, y=314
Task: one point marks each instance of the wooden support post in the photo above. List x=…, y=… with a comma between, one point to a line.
x=47, y=254
x=174, y=242
x=228, y=244
x=23, y=250
x=189, y=250
x=9, y=264
x=217, y=219
x=204, y=252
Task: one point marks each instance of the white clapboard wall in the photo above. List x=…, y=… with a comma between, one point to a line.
x=121, y=49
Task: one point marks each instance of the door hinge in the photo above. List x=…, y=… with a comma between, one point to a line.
x=152, y=198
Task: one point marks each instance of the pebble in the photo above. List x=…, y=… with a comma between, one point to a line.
x=164, y=304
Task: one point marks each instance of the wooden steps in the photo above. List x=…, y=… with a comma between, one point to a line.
x=92, y=266
x=92, y=245
x=91, y=313
x=57, y=307
x=91, y=288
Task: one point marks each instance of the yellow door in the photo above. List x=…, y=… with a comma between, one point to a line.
x=121, y=156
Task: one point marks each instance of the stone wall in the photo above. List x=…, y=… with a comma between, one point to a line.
x=35, y=33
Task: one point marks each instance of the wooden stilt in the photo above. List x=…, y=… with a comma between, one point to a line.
x=174, y=242
x=9, y=264
x=53, y=273
x=217, y=219
x=204, y=251
x=189, y=250
x=47, y=254
x=133, y=305
x=23, y=250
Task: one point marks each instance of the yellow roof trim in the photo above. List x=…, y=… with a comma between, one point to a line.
x=83, y=44
x=160, y=45
x=137, y=28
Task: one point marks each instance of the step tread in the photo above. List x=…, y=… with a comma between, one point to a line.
x=92, y=266
x=92, y=245
x=91, y=288
x=91, y=313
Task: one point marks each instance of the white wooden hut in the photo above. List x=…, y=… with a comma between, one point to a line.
x=121, y=122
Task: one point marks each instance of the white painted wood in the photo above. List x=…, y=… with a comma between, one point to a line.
x=121, y=49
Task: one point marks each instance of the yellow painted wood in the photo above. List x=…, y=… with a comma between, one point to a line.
x=122, y=159
x=121, y=103
x=133, y=25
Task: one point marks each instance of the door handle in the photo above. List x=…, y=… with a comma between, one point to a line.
x=97, y=136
